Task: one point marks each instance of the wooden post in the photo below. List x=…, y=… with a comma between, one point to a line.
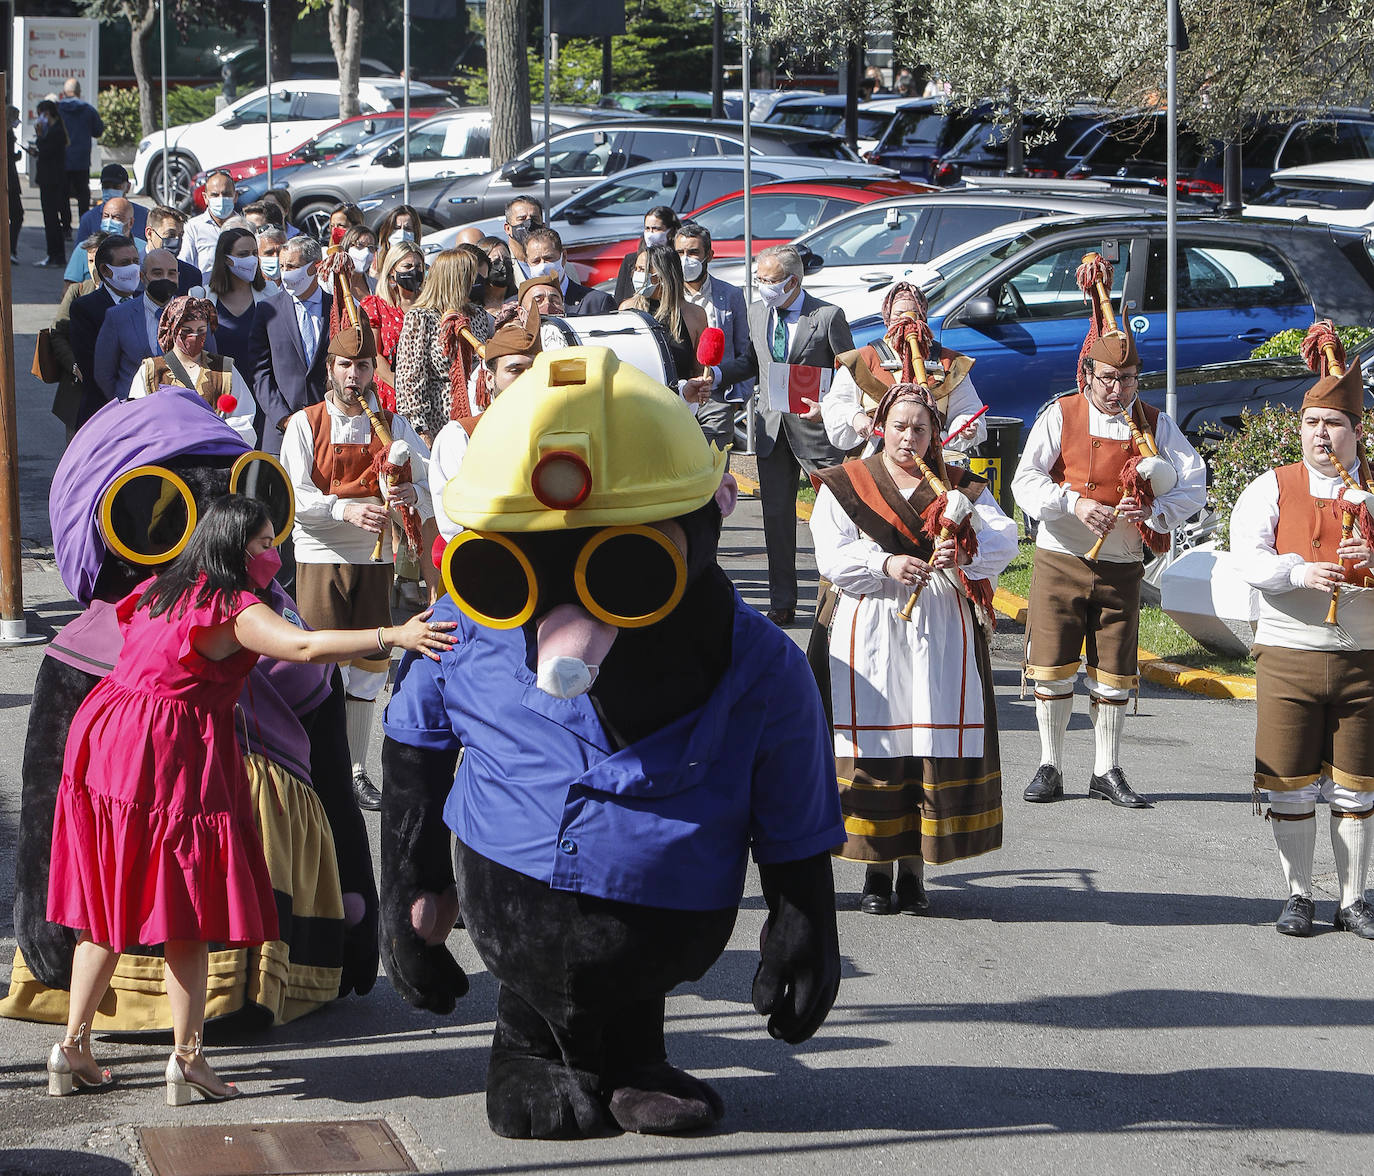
x=12, y=627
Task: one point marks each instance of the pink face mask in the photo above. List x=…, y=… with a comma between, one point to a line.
x=261, y=568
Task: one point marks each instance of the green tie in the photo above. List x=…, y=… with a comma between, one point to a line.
x=779, y=339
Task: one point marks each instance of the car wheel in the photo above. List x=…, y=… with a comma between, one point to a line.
x=171, y=184
x=313, y=218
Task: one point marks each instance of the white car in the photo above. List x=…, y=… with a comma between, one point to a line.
x=1340, y=192
x=300, y=109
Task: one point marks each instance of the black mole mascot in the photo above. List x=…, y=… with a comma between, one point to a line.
x=630, y=730
x=123, y=502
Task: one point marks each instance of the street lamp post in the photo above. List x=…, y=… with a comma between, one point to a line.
x=747, y=49
x=166, y=149
x=405, y=101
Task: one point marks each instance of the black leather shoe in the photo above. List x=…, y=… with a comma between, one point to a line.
x=910, y=897
x=364, y=793
x=1357, y=917
x=1048, y=784
x=1297, y=915
x=782, y=617
x=877, y=894
x=1112, y=786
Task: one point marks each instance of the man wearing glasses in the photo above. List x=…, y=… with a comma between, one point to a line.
x=1071, y=478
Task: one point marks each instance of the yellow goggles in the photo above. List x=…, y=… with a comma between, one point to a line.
x=627, y=576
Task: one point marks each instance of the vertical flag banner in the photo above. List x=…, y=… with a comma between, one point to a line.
x=789, y=383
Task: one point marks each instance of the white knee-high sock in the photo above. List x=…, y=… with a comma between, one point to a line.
x=1052, y=717
x=1108, y=719
x=1297, y=842
x=1351, y=843
x=358, y=713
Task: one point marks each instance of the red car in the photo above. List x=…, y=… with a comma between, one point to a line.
x=782, y=211
x=325, y=145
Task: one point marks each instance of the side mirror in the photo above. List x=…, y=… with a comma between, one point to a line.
x=669, y=179
x=233, y=124
x=517, y=171
x=391, y=157
x=811, y=260
x=980, y=311
x=576, y=216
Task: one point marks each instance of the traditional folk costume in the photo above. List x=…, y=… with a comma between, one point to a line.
x=1075, y=450
x=343, y=578
x=864, y=375
x=1314, y=681
x=911, y=704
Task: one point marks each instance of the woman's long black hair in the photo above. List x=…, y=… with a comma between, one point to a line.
x=214, y=559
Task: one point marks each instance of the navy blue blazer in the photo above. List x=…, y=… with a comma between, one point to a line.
x=737, y=368
x=120, y=347
x=283, y=378
x=88, y=315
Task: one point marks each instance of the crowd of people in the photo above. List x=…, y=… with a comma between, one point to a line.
x=364, y=367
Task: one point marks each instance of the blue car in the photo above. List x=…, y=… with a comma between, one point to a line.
x=1017, y=309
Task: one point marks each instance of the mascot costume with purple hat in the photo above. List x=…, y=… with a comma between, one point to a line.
x=123, y=503
x=630, y=732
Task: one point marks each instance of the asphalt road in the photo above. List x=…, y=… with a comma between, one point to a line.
x=1105, y=994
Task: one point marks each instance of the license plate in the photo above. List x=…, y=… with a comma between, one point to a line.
x=981, y=171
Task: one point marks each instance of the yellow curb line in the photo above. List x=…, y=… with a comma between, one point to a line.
x=1153, y=668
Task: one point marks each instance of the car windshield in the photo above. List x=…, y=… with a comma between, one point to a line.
x=821, y=147
x=1333, y=195
x=344, y=136
x=966, y=270
x=830, y=118
x=917, y=126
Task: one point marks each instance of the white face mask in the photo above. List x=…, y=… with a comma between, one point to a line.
x=244, y=267
x=297, y=280
x=552, y=269
x=655, y=236
x=644, y=283
x=400, y=235
x=219, y=206
x=362, y=259
x=123, y=278
x=691, y=268
x=774, y=294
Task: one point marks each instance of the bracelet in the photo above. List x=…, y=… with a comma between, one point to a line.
x=382, y=646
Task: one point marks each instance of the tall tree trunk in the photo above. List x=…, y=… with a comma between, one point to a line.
x=140, y=26
x=346, y=37
x=508, y=80
x=285, y=14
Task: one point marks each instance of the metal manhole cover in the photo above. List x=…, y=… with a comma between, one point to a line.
x=275, y=1149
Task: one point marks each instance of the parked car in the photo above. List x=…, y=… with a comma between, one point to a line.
x=1137, y=147
x=299, y=111
x=1019, y=313
x=1339, y=193
x=983, y=149
x=580, y=157
x=452, y=144
x=825, y=112
x=246, y=62
x=322, y=147
x=870, y=247
x=922, y=130
x=779, y=211
x=668, y=103
x=614, y=209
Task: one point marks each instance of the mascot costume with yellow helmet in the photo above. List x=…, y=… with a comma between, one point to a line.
x=630, y=731
x=124, y=500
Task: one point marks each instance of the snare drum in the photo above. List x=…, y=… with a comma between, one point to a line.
x=634, y=335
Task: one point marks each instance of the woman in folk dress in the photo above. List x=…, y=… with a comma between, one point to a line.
x=912, y=706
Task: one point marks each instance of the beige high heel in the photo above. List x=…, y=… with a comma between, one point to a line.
x=62, y=1079
x=181, y=1089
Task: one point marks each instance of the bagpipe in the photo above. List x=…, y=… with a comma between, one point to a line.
x=1324, y=354
x=1146, y=474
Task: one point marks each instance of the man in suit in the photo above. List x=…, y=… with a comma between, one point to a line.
x=66, y=403
x=725, y=308
x=128, y=335
x=166, y=230
x=117, y=269
x=544, y=254
x=290, y=341
x=789, y=329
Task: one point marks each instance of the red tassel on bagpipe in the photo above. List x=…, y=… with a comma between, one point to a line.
x=1134, y=486
x=897, y=336
x=1360, y=512
x=460, y=354
x=410, y=518
x=1318, y=346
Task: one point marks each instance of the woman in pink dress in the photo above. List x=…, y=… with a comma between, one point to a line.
x=153, y=838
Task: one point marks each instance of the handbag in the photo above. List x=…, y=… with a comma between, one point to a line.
x=44, y=361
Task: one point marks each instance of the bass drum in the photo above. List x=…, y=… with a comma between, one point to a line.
x=634, y=335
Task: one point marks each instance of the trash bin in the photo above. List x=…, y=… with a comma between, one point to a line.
x=995, y=459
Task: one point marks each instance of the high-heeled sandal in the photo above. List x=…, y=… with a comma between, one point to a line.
x=62, y=1079
x=181, y=1089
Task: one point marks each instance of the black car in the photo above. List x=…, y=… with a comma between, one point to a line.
x=983, y=149
x=583, y=155
x=923, y=130
x=1136, y=147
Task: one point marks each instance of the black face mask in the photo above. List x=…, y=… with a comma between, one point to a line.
x=162, y=290
x=410, y=280
x=498, y=274
x=479, y=291
x=521, y=232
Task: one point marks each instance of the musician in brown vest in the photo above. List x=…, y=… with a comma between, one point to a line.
x=333, y=456
x=508, y=354
x=900, y=652
x=1314, y=662
x=864, y=374
x=1090, y=476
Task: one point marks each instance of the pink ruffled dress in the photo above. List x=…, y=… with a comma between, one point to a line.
x=154, y=837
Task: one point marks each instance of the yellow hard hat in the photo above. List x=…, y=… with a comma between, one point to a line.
x=583, y=440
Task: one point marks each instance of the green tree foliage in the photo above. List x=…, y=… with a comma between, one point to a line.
x=1290, y=342
x=118, y=107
